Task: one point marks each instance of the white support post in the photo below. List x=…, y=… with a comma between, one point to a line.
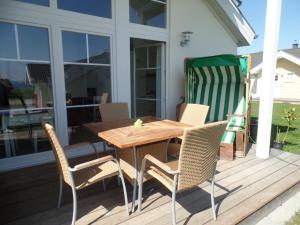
x=268, y=77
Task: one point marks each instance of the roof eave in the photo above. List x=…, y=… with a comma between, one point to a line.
x=280, y=55
x=234, y=20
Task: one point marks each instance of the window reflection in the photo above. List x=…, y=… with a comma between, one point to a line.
x=148, y=12
x=8, y=48
x=99, y=49
x=25, y=103
x=101, y=8
x=74, y=46
x=25, y=90
x=87, y=79
x=33, y=43
x=36, y=2
x=85, y=84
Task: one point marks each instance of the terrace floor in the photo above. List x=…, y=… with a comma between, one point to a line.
x=244, y=186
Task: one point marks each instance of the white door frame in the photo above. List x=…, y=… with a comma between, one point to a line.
x=163, y=77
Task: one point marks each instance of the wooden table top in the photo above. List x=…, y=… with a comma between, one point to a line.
x=123, y=134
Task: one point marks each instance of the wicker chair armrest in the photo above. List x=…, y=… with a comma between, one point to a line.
x=160, y=164
x=81, y=144
x=92, y=163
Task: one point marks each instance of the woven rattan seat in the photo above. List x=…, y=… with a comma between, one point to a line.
x=93, y=174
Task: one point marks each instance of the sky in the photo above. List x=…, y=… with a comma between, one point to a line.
x=255, y=13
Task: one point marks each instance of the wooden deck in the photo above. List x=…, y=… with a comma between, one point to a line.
x=243, y=187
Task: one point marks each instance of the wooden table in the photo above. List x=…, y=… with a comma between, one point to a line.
x=133, y=143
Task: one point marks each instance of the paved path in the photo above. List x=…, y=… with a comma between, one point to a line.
x=283, y=213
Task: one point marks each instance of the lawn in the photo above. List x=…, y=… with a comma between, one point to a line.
x=295, y=220
x=293, y=140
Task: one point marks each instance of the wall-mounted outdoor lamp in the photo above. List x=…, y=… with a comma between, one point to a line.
x=186, y=37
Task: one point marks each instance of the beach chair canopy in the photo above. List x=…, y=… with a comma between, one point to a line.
x=221, y=83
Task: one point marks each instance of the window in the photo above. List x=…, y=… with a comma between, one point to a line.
x=101, y=8
x=26, y=99
x=148, y=12
x=289, y=78
x=87, y=78
x=36, y=2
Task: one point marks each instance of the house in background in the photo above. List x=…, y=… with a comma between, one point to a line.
x=287, y=77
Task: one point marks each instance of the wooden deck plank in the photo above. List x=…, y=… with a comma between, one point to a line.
x=196, y=203
x=250, y=205
x=166, y=199
x=232, y=200
x=251, y=183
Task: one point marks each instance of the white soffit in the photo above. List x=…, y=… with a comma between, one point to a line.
x=234, y=20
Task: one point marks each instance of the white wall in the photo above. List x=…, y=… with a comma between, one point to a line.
x=285, y=88
x=209, y=38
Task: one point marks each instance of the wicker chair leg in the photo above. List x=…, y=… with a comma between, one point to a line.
x=74, y=206
x=60, y=191
x=174, y=199
x=141, y=185
x=133, y=196
x=135, y=179
x=212, y=197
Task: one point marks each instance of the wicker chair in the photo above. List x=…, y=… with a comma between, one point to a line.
x=111, y=112
x=114, y=111
x=196, y=164
x=191, y=114
x=84, y=174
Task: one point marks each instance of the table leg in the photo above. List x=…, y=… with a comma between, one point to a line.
x=135, y=183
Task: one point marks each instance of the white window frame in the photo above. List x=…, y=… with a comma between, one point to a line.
x=120, y=31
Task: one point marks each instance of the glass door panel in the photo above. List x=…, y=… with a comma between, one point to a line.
x=26, y=97
x=87, y=78
x=148, y=81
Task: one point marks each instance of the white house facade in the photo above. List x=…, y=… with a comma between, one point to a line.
x=287, y=77
x=57, y=58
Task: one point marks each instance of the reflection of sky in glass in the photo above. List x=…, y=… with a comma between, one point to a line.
x=100, y=8
x=33, y=42
x=158, y=21
x=36, y=2
x=74, y=47
x=8, y=47
x=99, y=49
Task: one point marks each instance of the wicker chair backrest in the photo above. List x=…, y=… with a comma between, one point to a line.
x=198, y=154
x=60, y=157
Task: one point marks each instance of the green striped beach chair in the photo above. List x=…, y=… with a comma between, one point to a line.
x=222, y=82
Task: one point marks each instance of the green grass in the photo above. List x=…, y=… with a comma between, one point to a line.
x=295, y=220
x=293, y=139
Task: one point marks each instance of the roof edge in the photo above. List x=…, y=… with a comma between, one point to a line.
x=280, y=54
x=235, y=21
